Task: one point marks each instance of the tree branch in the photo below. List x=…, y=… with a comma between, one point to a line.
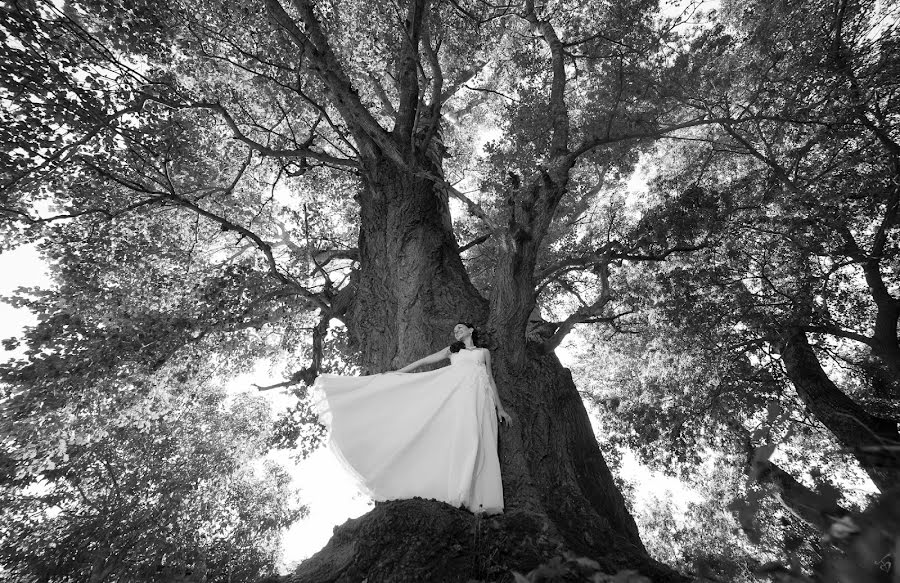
x=473, y=206
x=307, y=375
x=437, y=84
x=408, y=77
x=600, y=255
x=559, y=114
x=474, y=242
x=463, y=78
x=850, y=423
x=87, y=137
x=314, y=45
x=583, y=313
x=304, y=151
x=226, y=225
x=840, y=332
x=110, y=214
x=591, y=142
x=387, y=108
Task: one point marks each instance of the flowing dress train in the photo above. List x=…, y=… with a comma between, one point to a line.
x=431, y=434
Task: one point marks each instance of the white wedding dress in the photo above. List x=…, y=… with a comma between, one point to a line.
x=431, y=434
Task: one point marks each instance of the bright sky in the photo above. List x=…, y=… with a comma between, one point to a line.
x=21, y=267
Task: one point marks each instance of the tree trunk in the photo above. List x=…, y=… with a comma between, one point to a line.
x=885, y=335
x=559, y=493
x=410, y=290
x=865, y=435
x=550, y=457
x=412, y=287
x=816, y=509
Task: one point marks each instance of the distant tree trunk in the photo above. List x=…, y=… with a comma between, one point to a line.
x=885, y=344
x=810, y=506
x=855, y=428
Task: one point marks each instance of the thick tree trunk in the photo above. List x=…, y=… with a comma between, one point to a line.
x=886, y=346
x=412, y=287
x=410, y=290
x=885, y=343
x=559, y=493
x=550, y=457
x=870, y=438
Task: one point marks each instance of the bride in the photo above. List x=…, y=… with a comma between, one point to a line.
x=430, y=434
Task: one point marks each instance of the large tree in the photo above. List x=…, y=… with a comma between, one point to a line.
x=807, y=276
x=235, y=176
x=261, y=122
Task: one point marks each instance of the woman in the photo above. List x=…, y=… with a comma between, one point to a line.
x=431, y=434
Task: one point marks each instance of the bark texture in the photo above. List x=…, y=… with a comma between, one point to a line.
x=550, y=457
x=412, y=287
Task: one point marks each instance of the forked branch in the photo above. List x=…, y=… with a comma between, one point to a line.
x=307, y=375
x=586, y=313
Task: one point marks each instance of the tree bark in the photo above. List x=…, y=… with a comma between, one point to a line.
x=412, y=287
x=855, y=428
x=550, y=457
x=885, y=344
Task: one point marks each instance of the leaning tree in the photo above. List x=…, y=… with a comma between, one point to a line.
x=208, y=176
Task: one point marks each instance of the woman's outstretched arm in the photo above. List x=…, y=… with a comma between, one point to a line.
x=501, y=411
x=430, y=359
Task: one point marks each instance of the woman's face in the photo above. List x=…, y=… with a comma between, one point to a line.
x=461, y=332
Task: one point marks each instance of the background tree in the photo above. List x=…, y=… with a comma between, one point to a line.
x=769, y=334
x=125, y=488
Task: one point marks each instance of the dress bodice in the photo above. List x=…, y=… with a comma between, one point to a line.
x=467, y=357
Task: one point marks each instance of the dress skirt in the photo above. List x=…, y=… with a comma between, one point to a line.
x=431, y=434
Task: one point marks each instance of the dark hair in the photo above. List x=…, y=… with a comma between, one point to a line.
x=459, y=345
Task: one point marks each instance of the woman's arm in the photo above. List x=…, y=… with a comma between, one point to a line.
x=430, y=359
x=501, y=411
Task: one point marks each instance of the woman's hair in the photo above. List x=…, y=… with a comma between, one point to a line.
x=459, y=345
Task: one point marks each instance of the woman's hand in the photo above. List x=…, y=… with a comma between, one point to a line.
x=503, y=415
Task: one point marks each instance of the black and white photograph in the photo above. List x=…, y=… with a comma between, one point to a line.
x=449, y=291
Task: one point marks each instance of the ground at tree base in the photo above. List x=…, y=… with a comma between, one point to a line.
x=426, y=541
